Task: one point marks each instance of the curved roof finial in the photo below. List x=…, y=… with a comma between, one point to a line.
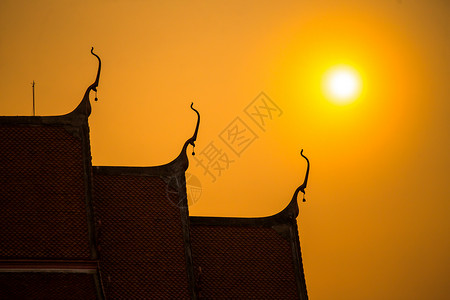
x=95, y=84
x=181, y=163
x=194, y=137
x=302, y=187
x=84, y=107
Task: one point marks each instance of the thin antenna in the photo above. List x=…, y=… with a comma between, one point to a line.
x=34, y=107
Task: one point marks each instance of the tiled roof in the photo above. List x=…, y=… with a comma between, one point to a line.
x=73, y=231
x=47, y=246
x=140, y=237
x=47, y=285
x=43, y=211
x=249, y=257
x=243, y=262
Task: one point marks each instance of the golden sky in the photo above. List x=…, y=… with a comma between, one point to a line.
x=376, y=222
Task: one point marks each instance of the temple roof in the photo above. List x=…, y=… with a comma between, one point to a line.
x=125, y=232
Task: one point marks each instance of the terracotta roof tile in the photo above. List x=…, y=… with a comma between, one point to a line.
x=36, y=285
x=243, y=262
x=42, y=194
x=140, y=238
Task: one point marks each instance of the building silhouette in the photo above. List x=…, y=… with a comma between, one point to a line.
x=70, y=230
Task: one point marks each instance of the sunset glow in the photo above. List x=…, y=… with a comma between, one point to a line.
x=361, y=86
x=342, y=84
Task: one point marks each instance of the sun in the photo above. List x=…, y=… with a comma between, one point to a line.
x=341, y=84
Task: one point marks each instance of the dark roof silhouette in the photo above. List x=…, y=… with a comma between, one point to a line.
x=71, y=230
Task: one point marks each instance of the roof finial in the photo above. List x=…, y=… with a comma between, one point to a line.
x=302, y=187
x=194, y=137
x=95, y=84
x=84, y=107
x=182, y=160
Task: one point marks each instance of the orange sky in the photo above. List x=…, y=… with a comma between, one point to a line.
x=376, y=221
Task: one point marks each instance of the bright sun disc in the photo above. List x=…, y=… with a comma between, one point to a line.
x=342, y=84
